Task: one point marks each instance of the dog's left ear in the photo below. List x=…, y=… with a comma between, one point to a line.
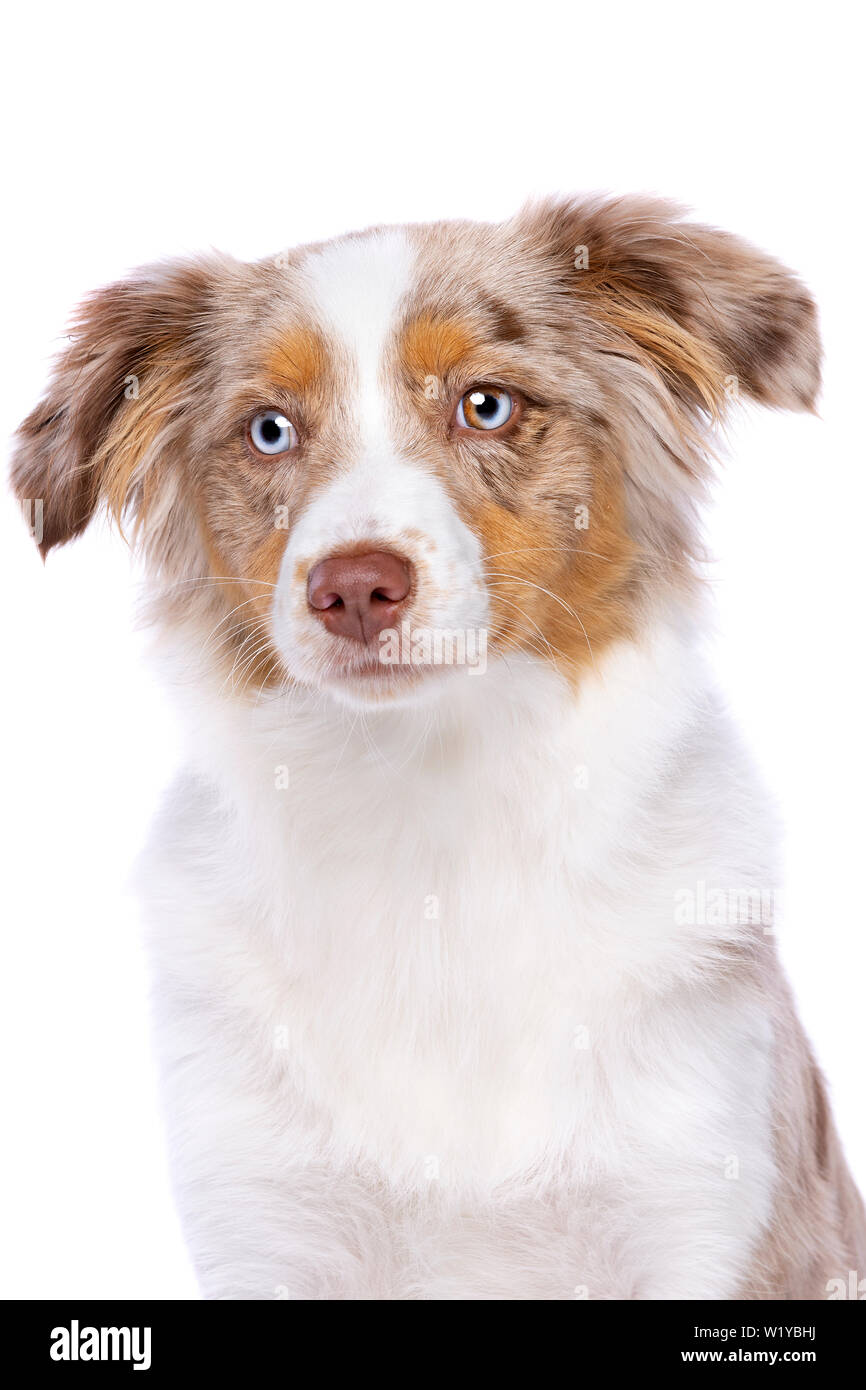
x=716, y=317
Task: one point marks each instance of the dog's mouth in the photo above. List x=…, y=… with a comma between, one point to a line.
x=402, y=660
x=364, y=682
x=368, y=668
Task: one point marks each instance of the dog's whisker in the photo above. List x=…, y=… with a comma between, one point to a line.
x=517, y=579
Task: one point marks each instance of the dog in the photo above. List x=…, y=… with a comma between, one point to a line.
x=460, y=917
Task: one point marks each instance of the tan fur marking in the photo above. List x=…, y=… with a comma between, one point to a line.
x=433, y=346
x=297, y=361
x=566, y=604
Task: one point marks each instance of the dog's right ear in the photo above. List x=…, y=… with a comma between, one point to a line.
x=115, y=389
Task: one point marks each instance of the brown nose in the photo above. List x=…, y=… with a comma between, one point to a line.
x=359, y=595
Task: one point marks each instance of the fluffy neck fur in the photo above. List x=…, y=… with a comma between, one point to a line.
x=460, y=921
x=509, y=805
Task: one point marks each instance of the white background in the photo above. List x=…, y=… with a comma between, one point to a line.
x=140, y=131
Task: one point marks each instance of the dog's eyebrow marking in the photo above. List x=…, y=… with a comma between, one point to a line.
x=433, y=346
x=297, y=359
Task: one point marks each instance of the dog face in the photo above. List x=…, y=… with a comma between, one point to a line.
x=351, y=462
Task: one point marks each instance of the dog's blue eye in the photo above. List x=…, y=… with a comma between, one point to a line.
x=484, y=408
x=272, y=433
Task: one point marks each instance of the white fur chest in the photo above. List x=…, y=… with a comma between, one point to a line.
x=447, y=940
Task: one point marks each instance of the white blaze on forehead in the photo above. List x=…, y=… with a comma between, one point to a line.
x=356, y=287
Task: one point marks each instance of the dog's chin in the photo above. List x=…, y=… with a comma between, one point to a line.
x=380, y=687
x=373, y=685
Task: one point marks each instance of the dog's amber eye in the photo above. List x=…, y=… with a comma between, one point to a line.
x=272, y=433
x=484, y=408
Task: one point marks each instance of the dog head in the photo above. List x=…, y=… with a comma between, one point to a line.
x=363, y=463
